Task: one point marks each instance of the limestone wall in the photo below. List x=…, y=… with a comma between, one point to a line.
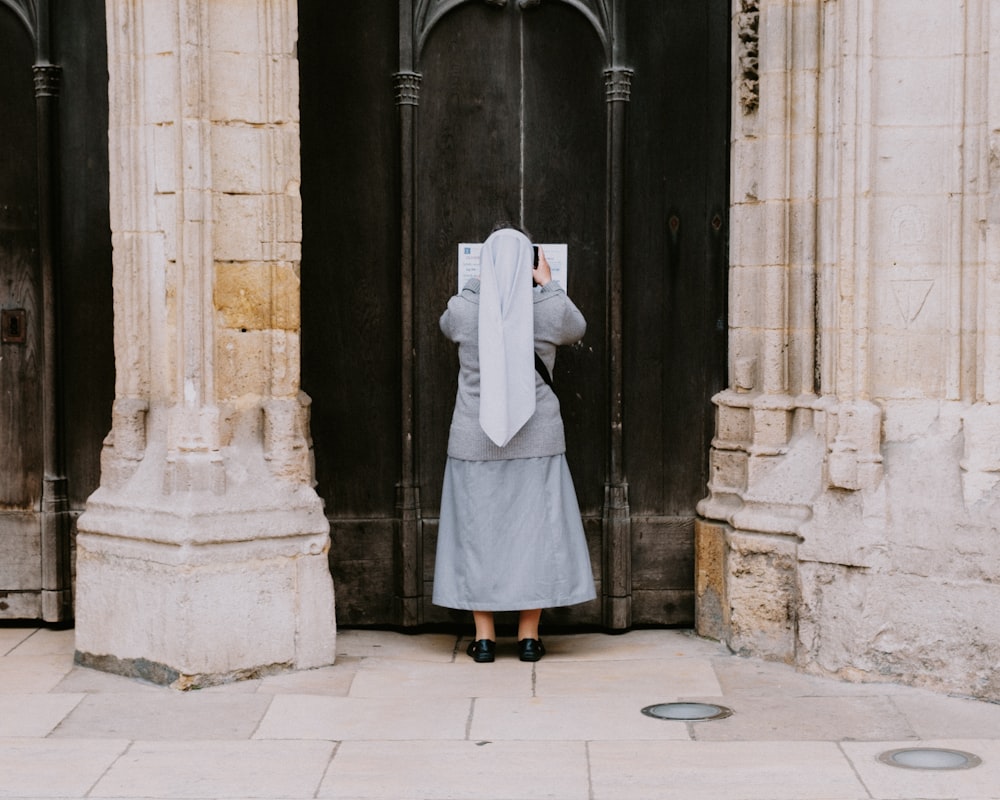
x=854, y=494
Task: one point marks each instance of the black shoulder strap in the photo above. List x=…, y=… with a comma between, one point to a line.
x=542, y=370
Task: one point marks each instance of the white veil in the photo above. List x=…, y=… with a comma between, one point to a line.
x=506, y=335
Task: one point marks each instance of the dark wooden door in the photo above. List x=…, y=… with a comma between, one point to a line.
x=56, y=349
x=596, y=123
x=20, y=376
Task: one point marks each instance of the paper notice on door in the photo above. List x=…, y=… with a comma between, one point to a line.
x=468, y=261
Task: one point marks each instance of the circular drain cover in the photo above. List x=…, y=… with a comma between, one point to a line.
x=930, y=758
x=687, y=712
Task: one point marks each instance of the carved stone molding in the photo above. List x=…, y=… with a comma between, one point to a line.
x=747, y=26
x=618, y=84
x=981, y=452
x=854, y=436
x=407, y=86
x=427, y=13
x=48, y=79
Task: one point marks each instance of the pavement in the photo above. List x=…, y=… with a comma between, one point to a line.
x=411, y=716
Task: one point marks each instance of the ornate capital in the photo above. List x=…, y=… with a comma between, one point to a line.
x=48, y=78
x=747, y=26
x=407, y=85
x=618, y=84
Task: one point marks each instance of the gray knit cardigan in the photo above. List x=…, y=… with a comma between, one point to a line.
x=557, y=322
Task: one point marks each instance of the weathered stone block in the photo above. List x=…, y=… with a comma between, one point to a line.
x=914, y=230
x=728, y=469
x=914, y=91
x=270, y=612
x=236, y=93
x=239, y=158
x=745, y=288
x=160, y=27
x=771, y=426
x=711, y=603
x=762, y=588
x=160, y=88
x=285, y=284
x=242, y=295
x=908, y=27
x=234, y=26
x=242, y=363
x=239, y=227
x=913, y=160
x=257, y=296
x=746, y=244
x=732, y=423
x=285, y=359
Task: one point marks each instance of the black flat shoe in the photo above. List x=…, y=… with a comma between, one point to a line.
x=482, y=650
x=530, y=649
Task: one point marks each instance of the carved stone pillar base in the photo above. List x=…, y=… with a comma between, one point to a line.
x=193, y=588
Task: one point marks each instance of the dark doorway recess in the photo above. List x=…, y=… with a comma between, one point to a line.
x=56, y=352
x=599, y=123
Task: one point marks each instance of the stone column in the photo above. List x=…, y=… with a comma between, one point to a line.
x=202, y=557
x=763, y=470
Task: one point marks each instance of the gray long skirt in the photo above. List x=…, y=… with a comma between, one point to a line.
x=511, y=537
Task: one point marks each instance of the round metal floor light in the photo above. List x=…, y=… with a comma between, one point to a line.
x=930, y=758
x=687, y=712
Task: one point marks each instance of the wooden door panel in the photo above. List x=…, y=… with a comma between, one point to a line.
x=676, y=185
x=84, y=243
x=350, y=298
x=20, y=386
x=674, y=287
x=468, y=132
x=350, y=290
x=20, y=417
x=565, y=196
x=20, y=381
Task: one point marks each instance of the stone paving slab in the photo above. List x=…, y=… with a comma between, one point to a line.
x=368, y=718
x=894, y=783
x=555, y=718
x=218, y=770
x=165, y=716
x=657, y=680
x=409, y=647
x=34, y=714
x=33, y=767
x=92, y=681
x=45, y=642
x=750, y=676
x=641, y=645
x=722, y=771
x=334, y=681
x=380, y=677
x=935, y=716
x=24, y=674
x=465, y=770
x=12, y=637
x=782, y=718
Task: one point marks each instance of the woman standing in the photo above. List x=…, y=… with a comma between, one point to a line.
x=510, y=537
